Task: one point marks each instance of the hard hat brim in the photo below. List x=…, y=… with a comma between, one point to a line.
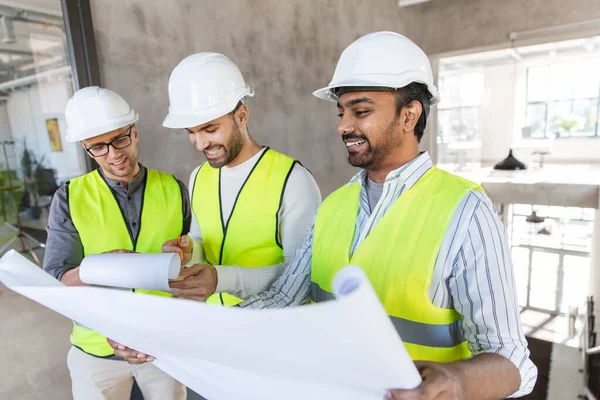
x=100, y=130
x=327, y=92
x=190, y=120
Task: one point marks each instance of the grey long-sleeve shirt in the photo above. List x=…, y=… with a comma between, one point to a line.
x=64, y=249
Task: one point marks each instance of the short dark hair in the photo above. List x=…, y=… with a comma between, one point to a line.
x=238, y=105
x=407, y=94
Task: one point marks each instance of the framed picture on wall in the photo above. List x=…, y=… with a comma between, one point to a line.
x=54, y=134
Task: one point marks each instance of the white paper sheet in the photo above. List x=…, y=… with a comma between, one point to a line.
x=130, y=270
x=345, y=349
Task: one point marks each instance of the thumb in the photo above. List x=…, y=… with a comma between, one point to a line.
x=186, y=242
x=191, y=271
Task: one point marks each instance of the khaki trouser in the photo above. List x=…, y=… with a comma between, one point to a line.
x=100, y=379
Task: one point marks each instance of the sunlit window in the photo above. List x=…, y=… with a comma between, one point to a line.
x=562, y=100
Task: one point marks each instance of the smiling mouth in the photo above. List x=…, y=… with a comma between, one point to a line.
x=354, y=144
x=119, y=163
x=213, y=151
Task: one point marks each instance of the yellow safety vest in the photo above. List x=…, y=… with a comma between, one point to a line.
x=250, y=238
x=398, y=256
x=99, y=221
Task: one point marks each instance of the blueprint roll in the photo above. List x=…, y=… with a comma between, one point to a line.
x=130, y=270
x=17, y=271
x=352, y=286
x=345, y=349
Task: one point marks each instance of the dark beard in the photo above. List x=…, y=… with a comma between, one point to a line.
x=373, y=157
x=232, y=149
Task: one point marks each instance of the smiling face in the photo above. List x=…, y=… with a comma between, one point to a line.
x=222, y=139
x=369, y=126
x=118, y=164
x=378, y=133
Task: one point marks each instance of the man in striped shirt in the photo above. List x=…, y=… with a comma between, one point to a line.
x=430, y=242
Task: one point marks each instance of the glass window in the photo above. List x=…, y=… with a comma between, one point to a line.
x=562, y=100
x=537, y=84
x=536, y=120
x=36, y=80
x=458, y=119
x=544, y=272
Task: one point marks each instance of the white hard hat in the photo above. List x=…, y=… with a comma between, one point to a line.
x=381, y=59
x=203, y=87
x=93, y=111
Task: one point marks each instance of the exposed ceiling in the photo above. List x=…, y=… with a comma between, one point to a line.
x=32, y=40
x=51, y=7
x=569, y=47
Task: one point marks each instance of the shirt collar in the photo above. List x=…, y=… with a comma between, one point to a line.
x=136, y=183
x=408, y=174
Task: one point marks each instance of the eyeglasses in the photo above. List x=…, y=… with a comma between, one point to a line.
x=120, y=142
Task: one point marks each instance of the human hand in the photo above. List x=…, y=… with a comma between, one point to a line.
x=184, y=246
x=197, y=282
x=129, y=355
x=440, y=382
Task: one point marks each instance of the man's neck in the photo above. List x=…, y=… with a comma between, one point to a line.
x=379, y=174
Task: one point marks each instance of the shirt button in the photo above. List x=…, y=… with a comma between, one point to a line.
x=134, y=223
x=118, y=183
x=128, y=197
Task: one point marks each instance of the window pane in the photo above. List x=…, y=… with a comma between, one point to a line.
x=537, y=83
x=586, y=79
x=469, y=124
x=562, y=81
x=576, y=280
x=561, y=120
x=578, y=235
x=544, y=271
x=536, y=120
x=448, y=124
x=450, y=91
x=458, y=124
x=471, y=89
x=588, y=110
x=35, y=71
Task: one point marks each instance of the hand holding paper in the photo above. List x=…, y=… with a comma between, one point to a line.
x=184, y=245
x=129, y=355
x=197, y=282
x=71, y=278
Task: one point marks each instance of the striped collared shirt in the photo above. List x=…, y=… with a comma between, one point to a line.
x=473, y=272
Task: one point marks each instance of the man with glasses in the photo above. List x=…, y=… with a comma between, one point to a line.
x=120, y=207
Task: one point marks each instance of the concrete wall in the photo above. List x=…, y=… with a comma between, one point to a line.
x=285, y=49
x=450, y=25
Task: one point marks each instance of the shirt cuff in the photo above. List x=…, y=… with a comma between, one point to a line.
x=228, y=279
x=527, y=369
x=60, y=273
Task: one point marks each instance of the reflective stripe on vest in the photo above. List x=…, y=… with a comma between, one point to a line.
x=99, y=221
x=444, y=335
x=250, y=237
x=398, y=256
